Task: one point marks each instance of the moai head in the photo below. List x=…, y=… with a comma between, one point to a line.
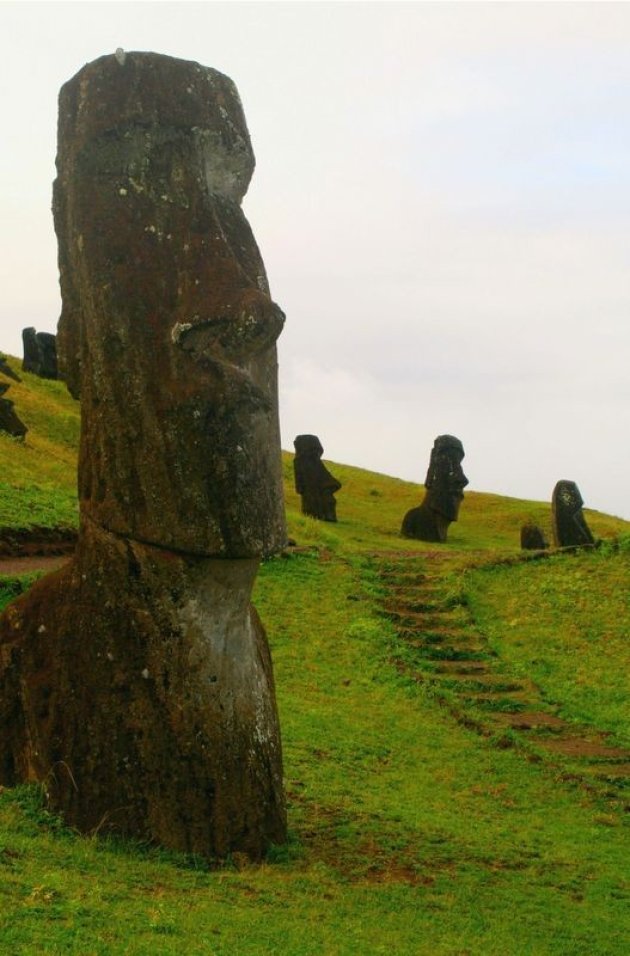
x=9, y=421
x=31, y=352
x=445, y=481
x=313, y=481
x=40, y=353
x=47, y=347
x=308, y=447
x=167, y=329
x=532, y=537
x=568, y=522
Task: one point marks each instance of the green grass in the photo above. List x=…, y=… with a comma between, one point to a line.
x=566, y=623
x=409, y=832
x=11, y=586
x=38, y=486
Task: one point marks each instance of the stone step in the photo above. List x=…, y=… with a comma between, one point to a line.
x=433, y=635
x=456, y=657
x=610, y=771
x=414, y=606
x=590, y=749
x=497, y=683
x=516, y=697
x=531, y=720
x=462, y=666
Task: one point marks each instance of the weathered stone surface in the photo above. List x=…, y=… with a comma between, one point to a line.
x=313, y=481
x=137, y=685
x=445, y=483
x=533, y=538
x=136, y=682
x=9, y=421
x=167, y=328
x=568, y=523
x=40, y=353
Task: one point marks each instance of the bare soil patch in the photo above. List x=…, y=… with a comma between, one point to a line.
x=582, y=747
x=26, y=565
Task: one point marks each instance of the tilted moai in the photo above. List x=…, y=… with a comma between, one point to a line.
x=40, y=353
x=136, y=682
x=533, y=538
x=313, y=481
x=568, y=523
x=445, y=483
x=9, y=421
x=6, y=369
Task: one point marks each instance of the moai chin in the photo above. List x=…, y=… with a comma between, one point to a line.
x=568, y=523
x=313, y=481
x=136, y=682
x=445, y=483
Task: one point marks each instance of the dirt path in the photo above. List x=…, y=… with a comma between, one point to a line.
x=11, y=566
x=442, y=646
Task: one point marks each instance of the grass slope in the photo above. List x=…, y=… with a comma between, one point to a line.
x=38, y=475
x=410, y=832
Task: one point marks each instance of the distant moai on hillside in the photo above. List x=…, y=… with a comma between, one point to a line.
x=568, y=523
x=40, y=353
x=6, y=369
x=313, y=482
x=9, y=421
x=444, y=483
x=136, y=683
x=533, y=537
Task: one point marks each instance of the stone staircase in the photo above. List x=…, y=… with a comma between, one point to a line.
x=440, y=646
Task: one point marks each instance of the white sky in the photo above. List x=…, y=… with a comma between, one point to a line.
x=442, y=200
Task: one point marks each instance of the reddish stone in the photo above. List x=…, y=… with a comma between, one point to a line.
x=136, y=682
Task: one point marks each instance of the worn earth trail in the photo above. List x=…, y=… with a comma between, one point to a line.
x=30, y=563
x=440, y=645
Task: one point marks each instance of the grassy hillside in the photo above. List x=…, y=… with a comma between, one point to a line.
x=38, y=475
x=455, y=725
x=38, y=486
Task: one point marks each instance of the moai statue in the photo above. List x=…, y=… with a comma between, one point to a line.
x=136, y=682
x=568, y=524
x=9, y=421
x=445, y=483
x=313, y=481
x=6, y=369
x=533, y=538
x=40, y=353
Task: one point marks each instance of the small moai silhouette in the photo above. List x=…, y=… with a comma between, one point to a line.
x=533, y=538
x=444, y=483
x=313, y=482
x=568, y=523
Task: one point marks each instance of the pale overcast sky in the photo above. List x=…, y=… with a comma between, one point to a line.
x=442, y=200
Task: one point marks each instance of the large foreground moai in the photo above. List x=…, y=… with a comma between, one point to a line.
x=313, y=481
x=136, y=682
x=568, y=523
x=445, y=483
